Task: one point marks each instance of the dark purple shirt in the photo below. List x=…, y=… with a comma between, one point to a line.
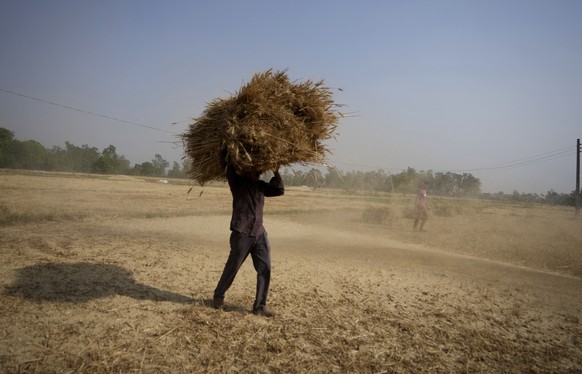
x=248, y=200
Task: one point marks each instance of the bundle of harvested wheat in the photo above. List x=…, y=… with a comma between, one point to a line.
x=270, y=122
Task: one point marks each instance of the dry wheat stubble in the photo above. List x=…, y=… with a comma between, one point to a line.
x=117, y=292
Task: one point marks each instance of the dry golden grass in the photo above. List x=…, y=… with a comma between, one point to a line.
x=116, y=275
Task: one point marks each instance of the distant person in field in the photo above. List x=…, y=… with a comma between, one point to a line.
x=248, y=236
x=420, y=208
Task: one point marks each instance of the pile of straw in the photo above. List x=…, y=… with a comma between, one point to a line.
x=270, y=122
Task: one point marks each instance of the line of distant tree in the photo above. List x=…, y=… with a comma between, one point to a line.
x=551, y=197
x=408, y=181
x=31, y=155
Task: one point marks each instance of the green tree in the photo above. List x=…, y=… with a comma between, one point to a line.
x=103, y=165
x=406, y=181
x=5, y=135
x=469, y=185
x=110, y=162
x=73, y=158
x=32, y=155
x=6, y=144
x=135, y=170
x=17, y=154
x=159, y=165
x=147, y=169
x=177, y=171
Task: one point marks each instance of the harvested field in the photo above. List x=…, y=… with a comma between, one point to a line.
x=107, y=274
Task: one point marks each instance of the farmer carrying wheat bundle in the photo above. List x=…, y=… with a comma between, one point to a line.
x=248, y=236
x=271, y=122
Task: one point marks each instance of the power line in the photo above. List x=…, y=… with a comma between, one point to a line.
x=550, y=155
x=528, y=163
x=546, y=156
x=87, y=112
x=522, y=162
x=527, y=159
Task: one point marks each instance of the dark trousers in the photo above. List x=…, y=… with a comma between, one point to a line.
x=241, y=246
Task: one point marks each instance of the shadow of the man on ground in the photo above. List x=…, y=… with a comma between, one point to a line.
x=83, y=281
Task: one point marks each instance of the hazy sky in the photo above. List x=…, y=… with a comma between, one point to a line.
x=493, y=88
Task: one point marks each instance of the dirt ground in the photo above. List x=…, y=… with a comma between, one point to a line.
x=114, y=274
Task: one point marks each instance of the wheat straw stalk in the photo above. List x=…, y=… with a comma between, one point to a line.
x=270, y=122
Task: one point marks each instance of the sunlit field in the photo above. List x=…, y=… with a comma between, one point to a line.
x=116, y=273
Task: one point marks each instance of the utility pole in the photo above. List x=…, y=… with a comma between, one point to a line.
x=577, y=197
